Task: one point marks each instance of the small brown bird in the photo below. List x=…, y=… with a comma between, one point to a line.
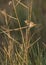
x=30, y=23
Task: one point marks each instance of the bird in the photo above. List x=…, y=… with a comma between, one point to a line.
x=30, y=23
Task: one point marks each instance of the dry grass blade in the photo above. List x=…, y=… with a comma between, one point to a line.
x=10, y=37
x=20, y=57
x=12, y=17
x=3, y=13
x=6, y=52
x=34, y=42
x=10, y=45
x=30, y=9
x=18, y=20
x=9, y=30
x=2, y=50
x=44, y=44
x=34, y=34
x=17, y=3
x=22, y=4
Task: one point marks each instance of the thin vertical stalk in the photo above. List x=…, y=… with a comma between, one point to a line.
x=18, y=20
x=27, y=34
x=30, y=9
x=10, y=45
